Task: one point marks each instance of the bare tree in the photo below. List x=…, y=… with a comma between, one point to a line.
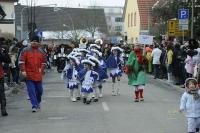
x=91, y=24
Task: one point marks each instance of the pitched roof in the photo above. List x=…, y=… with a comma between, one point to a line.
x=125, y=7
x=47, y=19
x=9, y=0
x=145, y=7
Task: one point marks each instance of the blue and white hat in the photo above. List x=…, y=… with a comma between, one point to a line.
x=74, y=59
x=86, y=61
x=88, y=55
x=95, y=60
x=83, y=50
x=77, y=54
x=97, y=52
x=75, y=49
x=117, y=48
x=94, y=45
x=72, y=54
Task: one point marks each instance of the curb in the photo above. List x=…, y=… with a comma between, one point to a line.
x=178, y=88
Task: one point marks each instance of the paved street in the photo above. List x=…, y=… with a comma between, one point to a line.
x=158, y=114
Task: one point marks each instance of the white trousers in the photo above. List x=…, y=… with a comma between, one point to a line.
x=139, y=87
x=193, y=123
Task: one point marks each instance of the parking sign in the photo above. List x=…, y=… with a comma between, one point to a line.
x=183, y=14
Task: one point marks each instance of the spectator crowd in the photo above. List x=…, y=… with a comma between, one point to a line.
x=174, y=61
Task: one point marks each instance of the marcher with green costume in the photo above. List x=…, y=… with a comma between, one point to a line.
x=136, y=74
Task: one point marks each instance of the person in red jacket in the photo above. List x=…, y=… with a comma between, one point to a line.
x=32, y=63
x=4, y=58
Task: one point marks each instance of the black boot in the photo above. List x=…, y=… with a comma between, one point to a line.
x=78, y=98
x=96, y=100
x=197, y=130
x=84, y=100
x=88, y=101
x=3, y=112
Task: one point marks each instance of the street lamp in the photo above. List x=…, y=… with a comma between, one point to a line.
x=22, y=22
x=21, y=13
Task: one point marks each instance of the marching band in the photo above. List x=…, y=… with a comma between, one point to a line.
x=86, y=70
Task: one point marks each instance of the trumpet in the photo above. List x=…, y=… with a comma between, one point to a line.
x=83, y=40
x=99, y=41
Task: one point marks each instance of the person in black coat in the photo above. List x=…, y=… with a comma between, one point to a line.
x=4, y=58
x=176, y=64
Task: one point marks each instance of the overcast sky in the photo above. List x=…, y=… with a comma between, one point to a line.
x=77, y=3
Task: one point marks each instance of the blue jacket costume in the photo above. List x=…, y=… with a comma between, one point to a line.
x=114, y=63
x=71, y=76
x=88, y=78
x=81, y=66
x=103, y=65
x=101, y=72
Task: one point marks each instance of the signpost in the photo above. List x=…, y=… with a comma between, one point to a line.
x=183, y=16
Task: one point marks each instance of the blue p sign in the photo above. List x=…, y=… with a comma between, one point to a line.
x=183, y=14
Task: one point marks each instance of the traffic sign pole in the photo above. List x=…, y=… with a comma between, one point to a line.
x=192, y=22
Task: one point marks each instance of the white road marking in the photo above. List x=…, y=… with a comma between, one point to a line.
x=56, y=118
x=105, y=106
x=56, y=96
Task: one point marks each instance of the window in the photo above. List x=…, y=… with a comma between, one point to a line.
x=132, y=40
x=109, y=27
x=135, y=17
x=118, y=28
x=110, y=10
x=128, y=20
x=131, y=19
x=118, y=19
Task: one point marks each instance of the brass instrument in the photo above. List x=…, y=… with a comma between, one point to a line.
x=83, y=40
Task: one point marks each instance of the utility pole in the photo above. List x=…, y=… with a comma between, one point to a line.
x=192, y=22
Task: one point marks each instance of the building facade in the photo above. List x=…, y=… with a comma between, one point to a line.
x=7, y=16
x=137, y=18
x=114, y=20
x=61, y=20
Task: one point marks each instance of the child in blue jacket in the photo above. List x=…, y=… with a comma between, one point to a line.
x=190, y=105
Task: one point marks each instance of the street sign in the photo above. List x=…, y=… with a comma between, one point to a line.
x=183, y=27
x=173, y=25
x=173, y=28
x=183, y=14
x=183, y=21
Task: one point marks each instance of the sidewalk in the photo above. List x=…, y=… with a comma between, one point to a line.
x=164, y=81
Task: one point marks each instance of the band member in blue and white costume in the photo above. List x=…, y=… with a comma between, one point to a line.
x=70, y=75
x=78, y=55
x=83, y=52
x=102, y=75
x=114, y=64
x=98, y=55
x=88, y=77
